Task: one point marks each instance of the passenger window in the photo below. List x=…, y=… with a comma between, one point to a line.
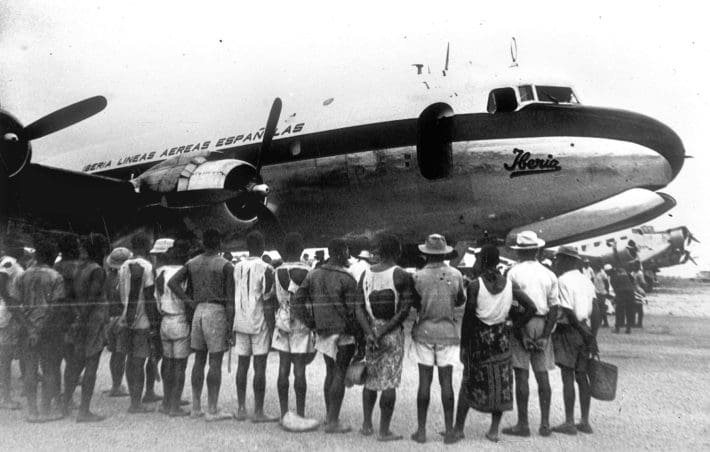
x=597, y=243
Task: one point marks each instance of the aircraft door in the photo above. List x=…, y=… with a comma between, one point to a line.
x=434, y=135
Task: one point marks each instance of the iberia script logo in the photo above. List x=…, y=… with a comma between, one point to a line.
x=523, y=165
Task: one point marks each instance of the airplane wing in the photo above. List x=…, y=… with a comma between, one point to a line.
x=70, y=200
x=622, y=211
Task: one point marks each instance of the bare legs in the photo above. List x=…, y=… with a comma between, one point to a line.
x=334, y=387
x=299, y=384
x=426, y=375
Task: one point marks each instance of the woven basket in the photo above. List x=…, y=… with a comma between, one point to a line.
x=603, y=377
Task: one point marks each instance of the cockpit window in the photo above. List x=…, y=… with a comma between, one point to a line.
x=526, y=93
x=556, y=94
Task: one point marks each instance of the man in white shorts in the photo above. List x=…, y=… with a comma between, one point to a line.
x=292, y=338
x=253, y=324
x=435, y=337
x=531, y=345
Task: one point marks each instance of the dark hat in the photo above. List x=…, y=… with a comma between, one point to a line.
x=570, y=251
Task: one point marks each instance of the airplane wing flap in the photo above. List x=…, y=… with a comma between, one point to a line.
x=621, y=211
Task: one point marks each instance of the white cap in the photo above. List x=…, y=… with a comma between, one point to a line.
x=162, y=246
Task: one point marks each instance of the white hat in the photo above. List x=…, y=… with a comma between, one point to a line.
x=527, y=240
x=162, y=246
x=435, y=244
x=364, y=255
x=607, y=267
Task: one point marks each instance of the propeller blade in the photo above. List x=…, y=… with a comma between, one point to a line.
x=269, y=132
x=692, y=260
x=693, y=238
x=268, y=223
x=4, y=200
x=65, y=117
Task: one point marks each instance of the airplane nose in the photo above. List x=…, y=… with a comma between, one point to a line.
x=648, y=132
x=622, y=125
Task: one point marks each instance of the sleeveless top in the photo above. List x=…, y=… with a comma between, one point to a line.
x=249, y=295
x=284, y=320
x=168, y=302
x=206, y=275
x=493, y=309
x=381, y=297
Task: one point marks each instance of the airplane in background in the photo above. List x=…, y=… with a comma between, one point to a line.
x=654, y=249
x=507, y=154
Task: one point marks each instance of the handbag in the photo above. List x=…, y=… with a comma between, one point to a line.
x=603, y=377
x=356, y=373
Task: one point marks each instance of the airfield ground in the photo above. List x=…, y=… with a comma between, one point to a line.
x=662, y=403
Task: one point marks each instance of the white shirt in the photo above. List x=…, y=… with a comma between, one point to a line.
x=249, y=295
x=577, y=293
x=493, y=309
x=538, y=283
x=141, y=321
x=168, y=302
x=10, y=267
x=357, y=268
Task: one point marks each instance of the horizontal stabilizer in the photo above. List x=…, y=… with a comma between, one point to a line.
x=621, y=211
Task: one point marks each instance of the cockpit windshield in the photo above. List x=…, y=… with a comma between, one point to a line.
x=556, y=94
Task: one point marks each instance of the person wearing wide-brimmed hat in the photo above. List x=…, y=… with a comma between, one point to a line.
x=435, y=337
x=117, y=362
x=531, y=345
x=574, y=338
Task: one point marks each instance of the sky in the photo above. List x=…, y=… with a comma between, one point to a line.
x=230, y=60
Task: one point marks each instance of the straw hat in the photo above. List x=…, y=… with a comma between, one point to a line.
x=118, y=256
x=435, y=244
x=527, y=240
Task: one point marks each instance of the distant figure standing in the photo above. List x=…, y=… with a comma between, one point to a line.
x=623, y=286
x=211, y=285
x=253, y=324
x=486, y=354
x=601, y=287
x=387, y=297
x=575, y=338
x=640, y=287
x=326, y=302
x=40, y=290
x=435, y=339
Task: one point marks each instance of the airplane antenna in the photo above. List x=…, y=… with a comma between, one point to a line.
x=514, y=52
x=446, y=63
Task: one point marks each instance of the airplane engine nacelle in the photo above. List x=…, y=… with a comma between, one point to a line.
x=677, y=239
x=198, y=187
x=434, y=134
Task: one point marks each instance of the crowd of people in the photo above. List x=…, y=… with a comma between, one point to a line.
x=158, y=302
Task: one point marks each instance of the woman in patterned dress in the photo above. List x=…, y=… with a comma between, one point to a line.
x=487, y=383
x=385, y=303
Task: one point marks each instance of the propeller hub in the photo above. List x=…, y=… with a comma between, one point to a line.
x=15, y=150
x=261, y=190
